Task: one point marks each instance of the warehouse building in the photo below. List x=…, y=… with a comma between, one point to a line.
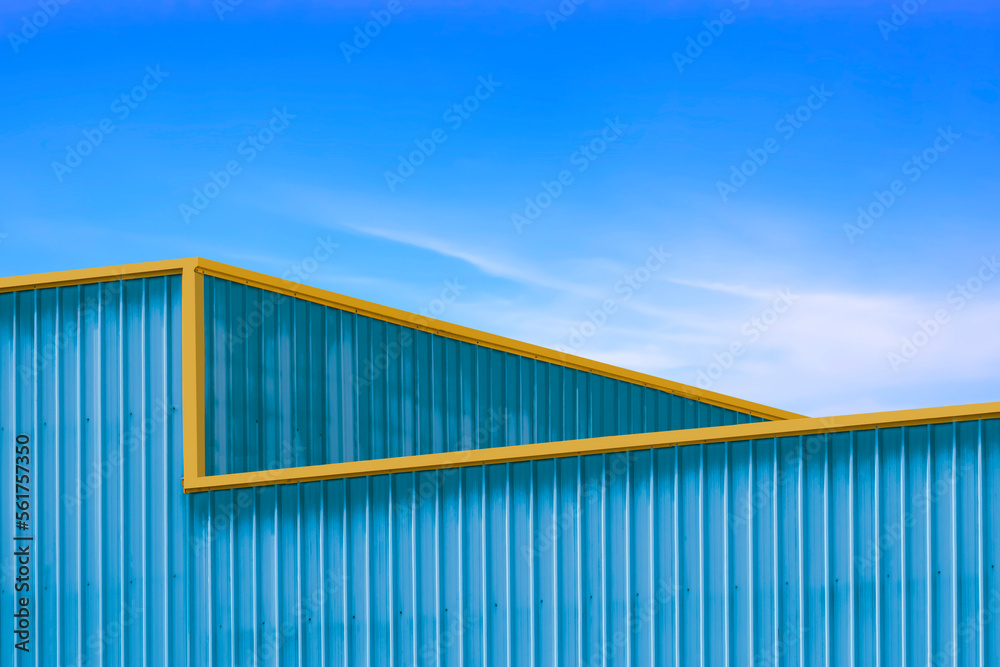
x=203, y=465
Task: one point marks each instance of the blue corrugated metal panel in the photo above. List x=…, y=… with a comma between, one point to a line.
x=852, y=548
x=91, y=374
x=294, y=383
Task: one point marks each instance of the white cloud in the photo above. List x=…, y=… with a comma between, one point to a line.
x=826, y=355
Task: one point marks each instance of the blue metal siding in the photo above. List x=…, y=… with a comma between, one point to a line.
x=867, y=547
x=853, y=548
x=92, y=375
x=293, y=383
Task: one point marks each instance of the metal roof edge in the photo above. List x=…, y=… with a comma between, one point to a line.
x=95, y=275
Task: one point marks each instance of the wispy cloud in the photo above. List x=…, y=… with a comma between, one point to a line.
x=490, y=265
x=827, y=354
x=736, y=290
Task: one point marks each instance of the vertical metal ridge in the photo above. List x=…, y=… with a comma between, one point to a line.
x=702, y=608
x=122, y=483
x=80, y=384
x=532, y=508
x=727, y=601
x=231, y=553
x=144, y=629
x=58, y=429
x=168, y=408
x=100, y=400
x=904, y=602
x=653, y=578
x=506, y=562
x=954, y=535
x=676, y=562
x=980, y=546
x=604, y=561
x=344, y=576
x=800, y=531
x=751, y=520
x=556, y=544
x=413, y=563
x=775, y=547
x=828, y=625
x=629, y=575
x=369, y=583
x=878, y=560
x=928, y=545
x=579, y=556
x=393, y=650
x=460, y=535
x=484, y=600
x=36, y=419
x=300, y=553
x=438, y=579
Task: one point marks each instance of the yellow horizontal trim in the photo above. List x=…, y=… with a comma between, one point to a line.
x=457, y=332
x=99, y=275
x=611, y=444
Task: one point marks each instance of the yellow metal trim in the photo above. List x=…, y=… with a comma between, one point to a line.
x=193, y=373
x=193, y=271
x=468, y=335
x=193, y=334
x=85, y=276
x=611, y=444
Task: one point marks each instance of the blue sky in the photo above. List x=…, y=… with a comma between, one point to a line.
x=672, y=187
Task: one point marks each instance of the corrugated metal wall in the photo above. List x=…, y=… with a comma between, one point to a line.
x=91, y=374
x=294, y=383
x=853, y=548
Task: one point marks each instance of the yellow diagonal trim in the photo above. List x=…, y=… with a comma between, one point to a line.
x=492, y=341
